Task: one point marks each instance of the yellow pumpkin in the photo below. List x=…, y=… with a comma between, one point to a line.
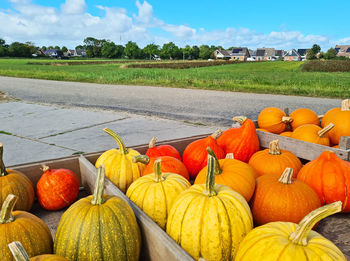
x=282, y=241
x=210, y=220
x=119, y=167
x=155, y=193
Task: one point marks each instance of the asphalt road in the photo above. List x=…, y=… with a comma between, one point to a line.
x=196, y=106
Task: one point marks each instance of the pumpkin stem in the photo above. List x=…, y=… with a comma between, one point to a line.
x=218, y=170
x=286, y=119
x=320, y=117
x=286, y=177
x=230, y=156
x=299, y=236
x=216, y=134
x=325, y=130
x=144, y=159
x=274, y=148
x=345, y=105
x=210, y=180
x=152, y=143
x=120, y=142
x=18, y=251
x=3, y=171
x=97, y=198
x=157, y=170
x=45, y=168
x=240, y=119
x=7, y=208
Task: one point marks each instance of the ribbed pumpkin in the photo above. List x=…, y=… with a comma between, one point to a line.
x=243, y=141
x=155, y=193
x=233, y=173
x=169, y=164
x=282, y=199
x=118, y=163
x=273, y=119
x=303, y=116
x=57, y=188
x=15, y=182
x=278, y=160
x=24, y=227
x=20, y=254
x=329, y=176
x=313, y=133
x=161, y=150
x=341, y=121
x=98, y=227
x=210, y=220
x=282, y=241
x=287, y=134
x=195, y=156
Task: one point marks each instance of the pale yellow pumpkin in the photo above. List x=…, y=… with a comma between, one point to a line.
x=210, y=220
x=119, y=167
x=155, y=193
x=282, y=241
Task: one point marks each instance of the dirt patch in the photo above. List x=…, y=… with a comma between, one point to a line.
x=179, y=65
x=4, y=97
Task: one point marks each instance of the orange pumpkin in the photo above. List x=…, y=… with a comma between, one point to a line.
x=260, y=129
x=329, y=176
x=341, y=121
x=273, y=119
x=313, y=133
x=243, y=141
x=169, y=164
x=195, y=156
x=233, y=173
x=303, y=116
x=282, y=199
x=327, y=118
x=277, y=160
x=161, y=150
x=287, y=134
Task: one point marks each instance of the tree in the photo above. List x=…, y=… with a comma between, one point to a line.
x=110, y=50
x=310, y=55
x=151, y=50
x=50, y=47
x=204, y=52
x=170, y=51
x=2, y=42
x=3, y=51
x=132, y=51
x=17, y=49
x=330, y=54
x=43, y=48
x=188, y=52
x=79, y=47
x=93, y=46
x=57, y=47
x=195, y=51
x=316, y=49
x=64, y=49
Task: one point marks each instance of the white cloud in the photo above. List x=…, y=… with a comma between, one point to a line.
x=71, y=23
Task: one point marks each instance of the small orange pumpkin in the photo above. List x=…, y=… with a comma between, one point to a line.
x=273, y=119
x=287, y=134
x=313, y=133
x=341, y=121
x=327, y=118
x=260, y=129
x=329, y=176
x=161, y=150
x=282, y=199
x=243, y=141
x=303, y=116
x=278, y=160
x=233, y=173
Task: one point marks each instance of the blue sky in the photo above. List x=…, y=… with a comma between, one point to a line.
x=279, y=24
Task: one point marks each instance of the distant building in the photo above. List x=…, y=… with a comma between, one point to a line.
x=303, y=53
x=265, y=54
x=79, y=52
x=343, y=50
x=239, y=54
x=54, y=53
x=292, y=55
x=222, y=54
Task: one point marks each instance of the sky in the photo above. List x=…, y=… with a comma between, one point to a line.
x=279, y=24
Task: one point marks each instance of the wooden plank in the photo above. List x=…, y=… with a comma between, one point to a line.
x=344, y=143
x=156, y=243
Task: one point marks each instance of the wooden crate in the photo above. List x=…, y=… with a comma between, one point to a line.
x=156, y=244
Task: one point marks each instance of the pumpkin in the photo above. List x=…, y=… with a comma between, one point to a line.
x=161, y=150
x=341, y=121
x=24, y=227
x=243, y=141
x=118, y=163
x=287, y=134
x=233, y=173
x=329, y=176
x=15, y=182
x=313, y=133
x=282, y=199
x=98, y=227
x=20, y=254
x=169, y=164
x=57, y=188
x=327, y=118
x=195, y=156
x=155, y=193
x=209, y=220
x=273, y=119
x=277, y=160
x=303, y=116
x=260, y=129
x=279, y=241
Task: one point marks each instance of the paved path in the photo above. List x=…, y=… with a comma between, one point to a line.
x=197, y=106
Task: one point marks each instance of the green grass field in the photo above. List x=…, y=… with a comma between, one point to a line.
x=264, y=77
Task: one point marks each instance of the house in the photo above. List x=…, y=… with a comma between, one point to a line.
x=222, y=54
x=239, y=54
x=54, y=53
x=79, y=52
x=292, y=55
x=303, y=53
x=343, y=50
x=279, y=54
x=265, y=54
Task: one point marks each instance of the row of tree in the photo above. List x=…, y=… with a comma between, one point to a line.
x=315, y=53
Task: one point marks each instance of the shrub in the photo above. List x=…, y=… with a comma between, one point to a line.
x=327, y=66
